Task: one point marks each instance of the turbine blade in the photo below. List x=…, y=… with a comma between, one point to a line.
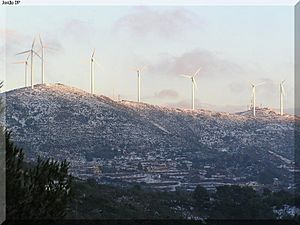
x=95, y=61
x=184, y=75
x=260, y=84
x=197, y=72
x=41, y=41
x=35, y=53
x=27, y=58
x=40, y=49
x=133, y=69
x=32, y=46
x=47, y=47
x=93, y=53
x=20, y=53
x=19, y=62
x=144, y=67
x=251, y=83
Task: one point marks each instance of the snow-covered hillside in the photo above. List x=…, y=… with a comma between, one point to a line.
x=63, y=122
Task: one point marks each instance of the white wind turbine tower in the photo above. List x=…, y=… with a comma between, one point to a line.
x=42, y=57
x=32, y=53
x=139, y=70
x=192, y=77
x=25, y=70
x=43, y=63
x=254, y=95
x=282, y=94
x=92, y=71
x=43, y=47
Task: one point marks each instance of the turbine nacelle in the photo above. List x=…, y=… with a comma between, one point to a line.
x=139, y=69
x=93, y=60
x=30, y=50
x=256, y=85
x=21, y=62
x=192, y=77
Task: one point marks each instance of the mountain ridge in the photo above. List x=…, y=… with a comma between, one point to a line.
x=127, y=137
x=64, y=88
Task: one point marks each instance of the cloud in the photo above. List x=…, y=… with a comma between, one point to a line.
x=12, y=41
x=77, y=28
x=211, y=64
x=53, y=44
x=238, y=87
x=167, y=94
x=146, y=21
x=10, y=34
x=269, y=89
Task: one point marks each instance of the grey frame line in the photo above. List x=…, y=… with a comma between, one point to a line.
x=297, y=93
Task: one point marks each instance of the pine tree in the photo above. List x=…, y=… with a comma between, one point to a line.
x=40, y=191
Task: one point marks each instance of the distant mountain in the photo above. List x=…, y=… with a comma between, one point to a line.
x=91, y=130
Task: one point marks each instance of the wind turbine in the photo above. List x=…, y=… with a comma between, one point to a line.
x=32, y=53
x=92, y=71
x=253, y=86
x=26, y=69
x=282, y=94
x=139, y=70
x=43, y=47
x=192, y=77
x=42, y=58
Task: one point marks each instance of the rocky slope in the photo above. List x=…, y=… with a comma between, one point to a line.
x=63, y=122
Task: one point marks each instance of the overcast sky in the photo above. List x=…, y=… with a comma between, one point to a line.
x=232, y=44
